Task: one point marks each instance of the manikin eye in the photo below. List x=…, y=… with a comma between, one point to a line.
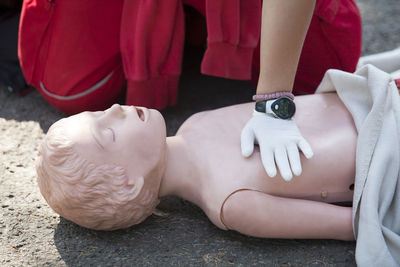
x=112, y=133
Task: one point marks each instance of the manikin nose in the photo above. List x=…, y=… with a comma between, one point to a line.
x=116, y=110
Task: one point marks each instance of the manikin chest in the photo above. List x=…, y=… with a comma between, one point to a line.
x=214, y=143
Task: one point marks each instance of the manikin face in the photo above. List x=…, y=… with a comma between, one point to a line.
x=127, y=136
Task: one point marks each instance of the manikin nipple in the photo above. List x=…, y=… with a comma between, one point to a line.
x=324, y=195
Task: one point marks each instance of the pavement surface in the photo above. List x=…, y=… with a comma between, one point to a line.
x=31, y=234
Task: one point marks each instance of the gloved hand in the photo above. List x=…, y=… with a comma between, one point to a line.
x=279, y=141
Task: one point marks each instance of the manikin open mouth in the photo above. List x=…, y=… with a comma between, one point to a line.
x=140, y=113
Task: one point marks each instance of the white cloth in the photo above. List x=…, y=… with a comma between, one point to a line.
x=388, y=61
x=373, y=100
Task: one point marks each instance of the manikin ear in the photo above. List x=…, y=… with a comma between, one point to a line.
x=137, y=184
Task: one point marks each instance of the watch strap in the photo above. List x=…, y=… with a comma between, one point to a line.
x=263, y=106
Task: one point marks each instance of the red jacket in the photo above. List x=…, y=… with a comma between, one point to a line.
x=152, y=44
x=69, y=45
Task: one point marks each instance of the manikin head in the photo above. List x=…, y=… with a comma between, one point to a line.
x=102, y=170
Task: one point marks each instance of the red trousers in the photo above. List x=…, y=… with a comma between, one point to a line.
x=84, y=55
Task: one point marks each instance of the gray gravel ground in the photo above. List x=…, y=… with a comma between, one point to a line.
x=31, y=234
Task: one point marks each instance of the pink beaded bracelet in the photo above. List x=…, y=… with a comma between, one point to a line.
x=273, y=96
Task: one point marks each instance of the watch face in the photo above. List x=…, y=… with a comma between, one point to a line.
x=284, y=108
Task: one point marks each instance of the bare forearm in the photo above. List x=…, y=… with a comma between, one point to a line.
x=284, y=27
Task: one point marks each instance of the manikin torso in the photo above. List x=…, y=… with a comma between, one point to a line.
x=213, y=169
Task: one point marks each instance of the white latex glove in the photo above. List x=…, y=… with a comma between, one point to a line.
x=279, y=141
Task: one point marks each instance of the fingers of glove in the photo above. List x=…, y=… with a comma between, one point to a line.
x=267, y=158
x=305, y=148
x=247, y=141
x=294, y=158
x=281, y=158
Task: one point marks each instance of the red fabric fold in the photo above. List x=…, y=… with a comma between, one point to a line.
x=71, y=45
x=152, y=35
x=157, y=92
x=233, y=33
x=228, y=61
x=31, y=35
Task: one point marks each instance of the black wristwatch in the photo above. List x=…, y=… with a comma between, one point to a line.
x=282, y=107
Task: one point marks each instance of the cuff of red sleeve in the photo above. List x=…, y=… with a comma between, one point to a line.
x=228, y=61
x=157, y=92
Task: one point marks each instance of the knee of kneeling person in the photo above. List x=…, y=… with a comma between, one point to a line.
x=89, y=94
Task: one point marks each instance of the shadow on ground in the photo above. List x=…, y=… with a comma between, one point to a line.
x=186, y=237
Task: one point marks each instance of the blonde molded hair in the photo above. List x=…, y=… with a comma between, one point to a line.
x=91, y=195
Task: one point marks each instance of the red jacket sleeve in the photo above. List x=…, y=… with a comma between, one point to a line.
x=152, y=35
x=233, y=33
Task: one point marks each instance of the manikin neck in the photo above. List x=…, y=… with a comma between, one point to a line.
x=181, y=176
